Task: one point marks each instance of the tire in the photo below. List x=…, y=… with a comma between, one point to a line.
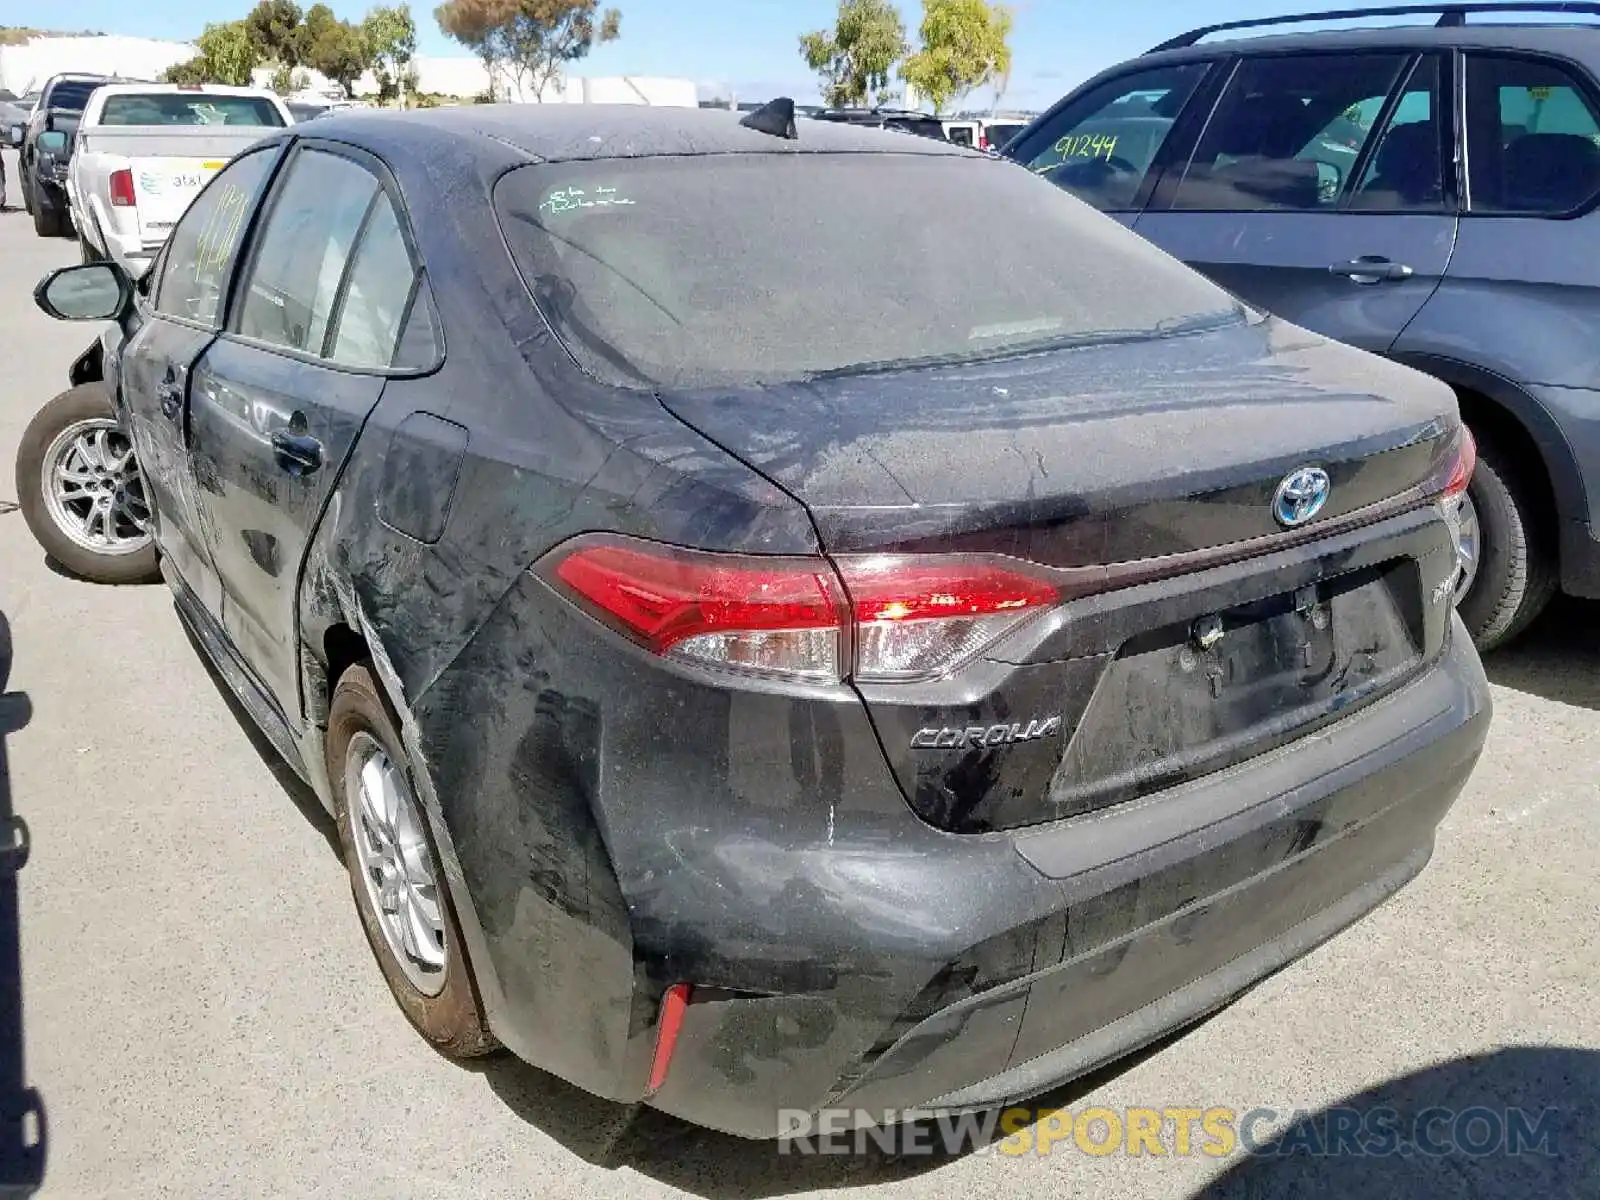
x=48, y=222
x=1517, y=573
x=446, y=1009
x=49, y=442
x=22, y=186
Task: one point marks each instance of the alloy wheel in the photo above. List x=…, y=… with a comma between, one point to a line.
x=395, y=862
x=93, y=489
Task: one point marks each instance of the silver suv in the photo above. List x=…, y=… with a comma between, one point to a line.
x=1422, y=190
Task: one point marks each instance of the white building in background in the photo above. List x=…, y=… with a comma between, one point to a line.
x=27, y=66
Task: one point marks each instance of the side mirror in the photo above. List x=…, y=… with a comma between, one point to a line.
x=52, y=141
x=15, y=133
x=98, y=291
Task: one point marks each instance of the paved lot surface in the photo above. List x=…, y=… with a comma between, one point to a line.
x=204, y=1019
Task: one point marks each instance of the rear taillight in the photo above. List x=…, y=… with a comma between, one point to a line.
x=878, y=618
x=1453, y=474
x=122, y=188
x=917, y=617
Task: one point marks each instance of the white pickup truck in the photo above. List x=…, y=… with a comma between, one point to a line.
x=144, y=150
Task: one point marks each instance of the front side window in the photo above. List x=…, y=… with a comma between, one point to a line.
x=1533, y=141
x=683, y=272
x=201, y=249
x=1287, y=132
x=1100, y=147
x=300, y=258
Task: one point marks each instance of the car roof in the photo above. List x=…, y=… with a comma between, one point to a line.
x=577, y=132
x=1551, y=38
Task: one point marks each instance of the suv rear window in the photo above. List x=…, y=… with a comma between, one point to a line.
x=725, y=270
x=190, y=108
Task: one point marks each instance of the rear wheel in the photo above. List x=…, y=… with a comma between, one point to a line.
x=1516, y=572
x=394, y=871
x=81, y=491
x=48, y=222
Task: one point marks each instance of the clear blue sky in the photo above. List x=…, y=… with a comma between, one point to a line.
x=749, y=45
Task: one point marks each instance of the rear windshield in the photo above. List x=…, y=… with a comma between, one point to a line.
x=720, y=270
x=999, y=135
x=72, y=94
x=190, y=108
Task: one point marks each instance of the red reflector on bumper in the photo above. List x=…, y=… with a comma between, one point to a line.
x=673, y=1005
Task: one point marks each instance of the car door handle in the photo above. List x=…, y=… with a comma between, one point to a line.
x=296, y=453
x=1372, y=269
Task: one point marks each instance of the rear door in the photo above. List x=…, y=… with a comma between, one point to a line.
x=188, y=307
x=281, y=396
x=1107, y=146
x=1322, y=189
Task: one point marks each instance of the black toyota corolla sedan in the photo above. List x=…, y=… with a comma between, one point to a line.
x=759, y=661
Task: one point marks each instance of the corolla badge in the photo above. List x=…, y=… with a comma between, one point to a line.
x=1301, y=496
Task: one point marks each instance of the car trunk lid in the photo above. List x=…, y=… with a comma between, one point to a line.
x=1196, y=629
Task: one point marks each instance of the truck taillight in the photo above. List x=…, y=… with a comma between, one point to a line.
x=122, y=189
x=872, y=618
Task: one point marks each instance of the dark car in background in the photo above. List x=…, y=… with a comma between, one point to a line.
x=44, y=148
x=898, y=120
x=1426, y=191
x=750, y=682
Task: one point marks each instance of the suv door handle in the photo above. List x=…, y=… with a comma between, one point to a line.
x=1372, y=268
x=296, y=453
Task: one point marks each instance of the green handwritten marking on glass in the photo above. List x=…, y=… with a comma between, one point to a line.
x=1086, y=145
x=572, y=199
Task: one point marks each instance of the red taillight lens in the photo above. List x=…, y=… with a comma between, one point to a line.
x=122, y=188
x=769, y=616
x=1466, y=459
x=879, y=619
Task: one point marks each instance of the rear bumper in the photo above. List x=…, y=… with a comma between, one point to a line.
x=1167, y=909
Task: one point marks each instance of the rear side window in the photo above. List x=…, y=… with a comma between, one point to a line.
x=190, y=108
x=1101, y=146
x=683, y=271
x=300, y=257
x=1287, y=132
x=377, y=293
x=1533, y=141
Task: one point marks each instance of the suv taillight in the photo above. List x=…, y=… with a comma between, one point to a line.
x=122, y=189
x=872, y=618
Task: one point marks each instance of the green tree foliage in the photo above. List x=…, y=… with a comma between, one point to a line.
x=277, y=30
x=534, y=40
x=391, y=37
x=336, y=48
x=227, y=55
x=965, y=44
x=856, y=60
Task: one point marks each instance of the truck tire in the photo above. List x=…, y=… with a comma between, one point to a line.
x=81, y=492
x=1517, y=570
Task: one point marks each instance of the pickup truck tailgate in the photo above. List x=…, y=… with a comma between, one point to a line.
x=169, y=166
